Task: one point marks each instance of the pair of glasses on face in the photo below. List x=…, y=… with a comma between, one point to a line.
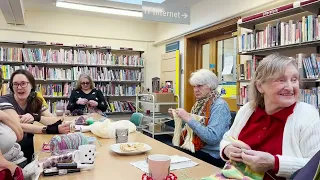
x=21, y=84
x=85, y=83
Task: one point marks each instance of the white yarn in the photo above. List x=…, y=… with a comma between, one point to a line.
x=177, y=129
x=107, y=129
x=188, y=144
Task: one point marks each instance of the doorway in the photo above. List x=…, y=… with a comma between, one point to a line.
x=215, y=49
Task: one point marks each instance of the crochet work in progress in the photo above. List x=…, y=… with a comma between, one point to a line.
x=188, y=141
x=235, y=171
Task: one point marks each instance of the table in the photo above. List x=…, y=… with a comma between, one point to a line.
x=109, y=165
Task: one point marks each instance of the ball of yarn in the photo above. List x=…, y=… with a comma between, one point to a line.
x=67, y=142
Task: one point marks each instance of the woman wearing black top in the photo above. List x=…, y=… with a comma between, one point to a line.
x=85, y=97
x=24, y=106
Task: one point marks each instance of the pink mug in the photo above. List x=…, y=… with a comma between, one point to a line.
x=159, y=166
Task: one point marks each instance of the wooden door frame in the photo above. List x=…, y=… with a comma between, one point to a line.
x=191, y=59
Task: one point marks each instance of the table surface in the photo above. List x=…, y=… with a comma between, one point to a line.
x=109, y=165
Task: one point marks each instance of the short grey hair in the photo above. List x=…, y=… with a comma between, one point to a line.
x=270, y=68
x=204, y=77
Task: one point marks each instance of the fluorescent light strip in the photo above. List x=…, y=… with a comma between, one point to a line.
x=98, y=9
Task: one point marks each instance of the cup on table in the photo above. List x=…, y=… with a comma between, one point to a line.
x=159, y=166
x=122, y=135
x=60, y=110
x=85, y=154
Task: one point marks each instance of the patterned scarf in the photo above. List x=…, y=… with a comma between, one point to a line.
x=202, y=108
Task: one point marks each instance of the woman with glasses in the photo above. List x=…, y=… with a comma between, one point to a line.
x=24, y=106
x=85, y=98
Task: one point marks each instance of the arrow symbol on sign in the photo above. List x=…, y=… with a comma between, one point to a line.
x=185, y=15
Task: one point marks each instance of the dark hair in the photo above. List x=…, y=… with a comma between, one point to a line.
x=34, y=103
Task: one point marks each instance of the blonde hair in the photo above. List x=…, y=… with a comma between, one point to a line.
x=78, y=85
x=204, y=77
x=270, y=68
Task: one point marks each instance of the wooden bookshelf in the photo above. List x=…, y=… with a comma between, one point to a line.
x=306, y=38
x=249, y=22
x=122, y=60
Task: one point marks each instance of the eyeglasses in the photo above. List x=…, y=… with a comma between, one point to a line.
x=85, y=83
x=22, y=84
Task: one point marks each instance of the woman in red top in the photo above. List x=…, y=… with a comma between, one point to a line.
x=275, y=134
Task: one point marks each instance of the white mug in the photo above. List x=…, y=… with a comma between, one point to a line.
x=85, y=154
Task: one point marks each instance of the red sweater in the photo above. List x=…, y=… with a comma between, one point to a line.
x=264, y=132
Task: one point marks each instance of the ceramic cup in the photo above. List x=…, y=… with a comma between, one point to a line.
x=159, y=166
x=85, y=154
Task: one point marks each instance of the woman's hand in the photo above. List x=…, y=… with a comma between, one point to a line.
x=93, y=103
x=82, y=101
x=26, y=118
x=64, y=128
x=258, y=161
x=234, y=150
x=183, y=114
x=170, y=111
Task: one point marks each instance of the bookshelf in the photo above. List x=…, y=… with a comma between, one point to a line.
x=292, y=29
x=116, y=72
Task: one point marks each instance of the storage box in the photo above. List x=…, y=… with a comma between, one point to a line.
x=160, y=97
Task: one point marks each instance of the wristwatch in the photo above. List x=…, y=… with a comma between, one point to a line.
x=44, y=130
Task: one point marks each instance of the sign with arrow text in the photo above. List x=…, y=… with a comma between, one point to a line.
x=165, y=13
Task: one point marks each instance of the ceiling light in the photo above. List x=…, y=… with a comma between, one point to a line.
x=105, y=10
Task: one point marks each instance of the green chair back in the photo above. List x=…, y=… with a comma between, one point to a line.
x=136, y=118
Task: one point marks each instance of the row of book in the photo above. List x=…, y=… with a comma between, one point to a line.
x=281, y=33
x=112, y=107
x=121, y=106
x=248, y=68
x=97, y=73
x=118, y=90
x=308, y=66
x=310, y=96
x=65, y=89
x=104, y=74
x=62, y=56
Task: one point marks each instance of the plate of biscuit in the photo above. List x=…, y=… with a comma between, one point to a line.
x=130, y=148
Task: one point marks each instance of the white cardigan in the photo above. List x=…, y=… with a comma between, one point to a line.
x=301, y=136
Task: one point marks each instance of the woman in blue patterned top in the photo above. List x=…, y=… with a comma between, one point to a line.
x=209, y=132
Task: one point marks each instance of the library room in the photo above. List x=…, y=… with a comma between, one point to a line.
x=160, y=89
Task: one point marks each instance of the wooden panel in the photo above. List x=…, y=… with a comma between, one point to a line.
x=168, y=65
x=190, y=65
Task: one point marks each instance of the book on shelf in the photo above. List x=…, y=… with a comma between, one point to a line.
x=120, y=106
x=248, y=68
x=64, y=56
x=109, y=89
x=311, y=96
x=243, y=95
x=281, y=33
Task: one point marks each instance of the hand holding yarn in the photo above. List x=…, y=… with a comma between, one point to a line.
x=26, y=118
x=170, y=112
x=64, y=128
x=183, y=114
x=234, y=150
x=82, y=101
x=258, y=161
x=93, y=103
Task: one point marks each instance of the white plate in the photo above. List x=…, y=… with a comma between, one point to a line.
x=116, y=148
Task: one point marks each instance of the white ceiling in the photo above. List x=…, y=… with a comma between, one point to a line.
x=50, y=4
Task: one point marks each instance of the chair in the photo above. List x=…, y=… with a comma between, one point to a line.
x=136, y=118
